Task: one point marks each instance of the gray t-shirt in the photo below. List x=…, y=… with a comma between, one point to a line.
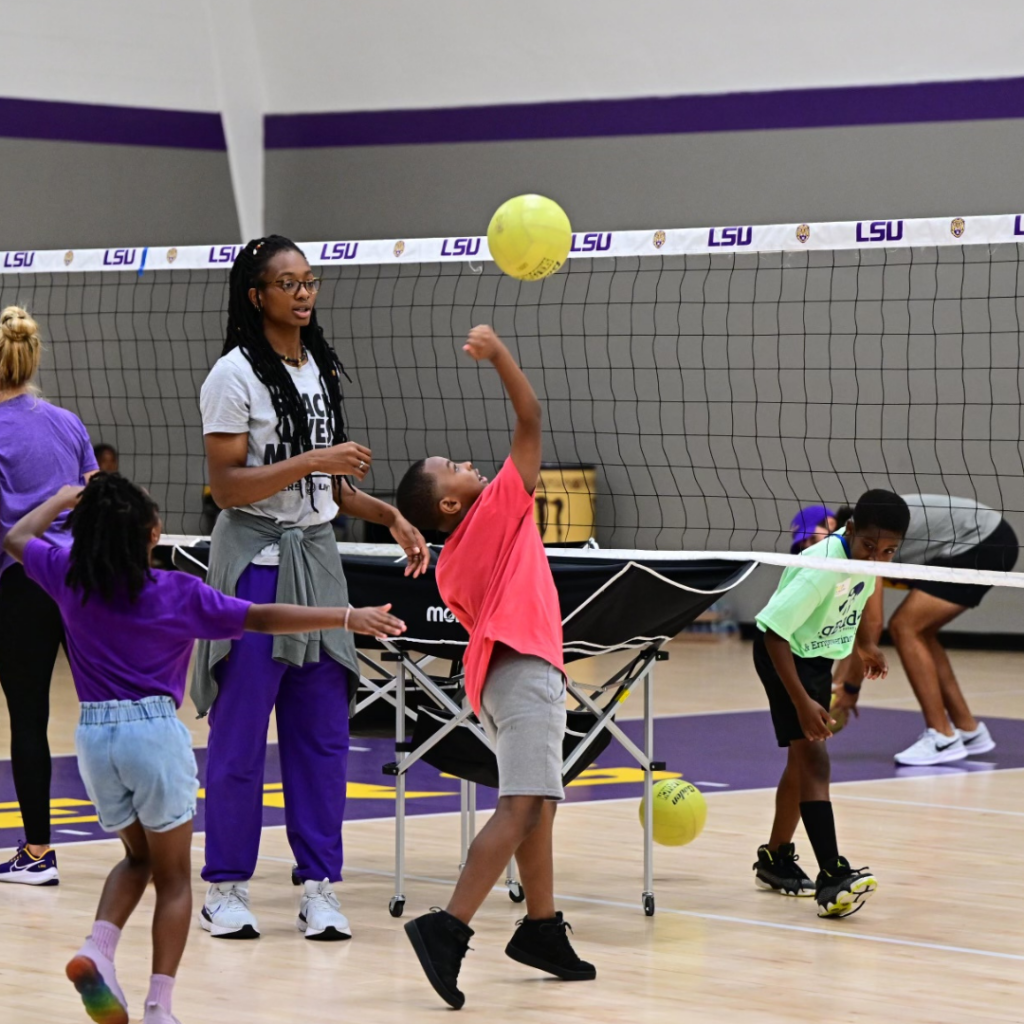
x=944, y=527
x=233, y=401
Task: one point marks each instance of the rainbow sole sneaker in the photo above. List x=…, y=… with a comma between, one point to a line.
x=99, y=999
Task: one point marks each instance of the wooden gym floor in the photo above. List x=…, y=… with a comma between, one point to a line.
x=940, y=942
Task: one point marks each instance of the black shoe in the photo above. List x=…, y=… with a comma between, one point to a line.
x=441, y=941
x=841, y=890
x=545, y=945
x=780, y=872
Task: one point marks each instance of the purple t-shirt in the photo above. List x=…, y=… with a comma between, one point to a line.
x=124, y=651
x=42, y=448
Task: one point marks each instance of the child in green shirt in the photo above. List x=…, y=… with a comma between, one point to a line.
x=812, y=621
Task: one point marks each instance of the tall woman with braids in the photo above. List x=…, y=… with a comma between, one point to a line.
x=42, y=447
x=278, y=462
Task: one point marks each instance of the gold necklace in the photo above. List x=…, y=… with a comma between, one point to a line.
x=295, y=362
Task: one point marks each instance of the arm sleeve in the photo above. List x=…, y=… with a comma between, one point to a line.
x=87, y=457
x=224, y=400
x=46, y=565
x=790, y=608
x=213, y=615
x=508, y=493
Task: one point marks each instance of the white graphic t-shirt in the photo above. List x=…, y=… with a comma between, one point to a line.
x=233, y=401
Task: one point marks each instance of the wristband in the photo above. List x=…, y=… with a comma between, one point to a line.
x=348, y=612
x=851, y=689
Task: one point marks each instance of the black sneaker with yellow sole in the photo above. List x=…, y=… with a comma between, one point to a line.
x=779, y=872
x=841, y=890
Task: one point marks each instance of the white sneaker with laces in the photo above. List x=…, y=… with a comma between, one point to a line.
x=226, y=913
x=320, y=915
x=933, y=748
x=978, y=742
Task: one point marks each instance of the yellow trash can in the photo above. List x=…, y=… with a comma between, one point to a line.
x=563, y=506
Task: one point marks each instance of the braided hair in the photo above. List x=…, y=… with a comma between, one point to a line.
x=111, y=527
x=245, y=332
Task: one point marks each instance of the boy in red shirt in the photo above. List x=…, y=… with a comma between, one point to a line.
x=494, y=576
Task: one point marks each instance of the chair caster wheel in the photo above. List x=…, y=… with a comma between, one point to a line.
x=295, y=878
x=515, y=892
x=397, y=906
x=649, y=904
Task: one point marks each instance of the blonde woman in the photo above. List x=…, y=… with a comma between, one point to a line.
x=42, y=447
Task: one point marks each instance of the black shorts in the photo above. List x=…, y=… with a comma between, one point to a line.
x=814, y=673
x=996, y=553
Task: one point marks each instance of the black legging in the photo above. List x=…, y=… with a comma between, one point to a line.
x=30, y=633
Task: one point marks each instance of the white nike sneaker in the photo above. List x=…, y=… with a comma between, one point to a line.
x=320, y=915
x=933, y=748
x=226, y=913
x=978, y=742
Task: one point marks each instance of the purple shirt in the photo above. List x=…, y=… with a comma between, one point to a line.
x=42, y=448
x=124, y=651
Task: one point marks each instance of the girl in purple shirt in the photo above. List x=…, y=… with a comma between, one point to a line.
x=130, y=631
x=42, y=447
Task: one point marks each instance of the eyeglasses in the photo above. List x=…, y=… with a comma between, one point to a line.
x=291, y=287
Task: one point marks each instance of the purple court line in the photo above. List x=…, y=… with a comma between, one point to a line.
x=914, y=103
x=735, y=750
x=111, y=125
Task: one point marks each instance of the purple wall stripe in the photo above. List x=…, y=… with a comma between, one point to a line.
x=749, y=111
x=123, y=126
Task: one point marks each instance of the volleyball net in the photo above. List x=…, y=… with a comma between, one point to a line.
x=700, y=386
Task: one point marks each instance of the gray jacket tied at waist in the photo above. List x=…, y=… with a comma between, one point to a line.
x=310, y=574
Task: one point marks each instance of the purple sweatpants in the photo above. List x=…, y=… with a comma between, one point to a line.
x=313, y=742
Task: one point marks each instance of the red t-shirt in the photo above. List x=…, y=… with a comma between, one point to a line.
x=494, y=576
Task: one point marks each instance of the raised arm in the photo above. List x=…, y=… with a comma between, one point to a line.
x=483, y=343
x=36, y=522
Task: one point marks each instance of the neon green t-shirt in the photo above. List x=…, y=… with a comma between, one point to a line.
x=817, y=611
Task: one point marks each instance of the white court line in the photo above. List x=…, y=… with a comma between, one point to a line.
x=941, y=807
x=722, y=918
x=838, y=934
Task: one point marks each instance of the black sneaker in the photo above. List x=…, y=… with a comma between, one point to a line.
x=545, y=945
x=441, y=941
x=779, y=872
x=841, y=890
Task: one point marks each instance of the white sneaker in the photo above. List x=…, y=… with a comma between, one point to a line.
x=978, y=742
x=226, y=913
x=320, y=915
x=933, y=748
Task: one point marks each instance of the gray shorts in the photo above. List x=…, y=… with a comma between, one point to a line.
x=523, y=714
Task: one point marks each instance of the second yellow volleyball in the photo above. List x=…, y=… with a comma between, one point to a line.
x=679, y=812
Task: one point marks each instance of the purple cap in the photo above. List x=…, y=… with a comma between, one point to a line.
x=805, y=522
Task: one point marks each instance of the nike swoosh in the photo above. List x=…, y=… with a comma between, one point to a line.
x=952, y=743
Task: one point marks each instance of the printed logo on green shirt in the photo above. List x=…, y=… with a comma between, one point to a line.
x=816, y=614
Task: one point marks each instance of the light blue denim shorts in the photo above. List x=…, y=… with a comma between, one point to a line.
x=136, y=761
